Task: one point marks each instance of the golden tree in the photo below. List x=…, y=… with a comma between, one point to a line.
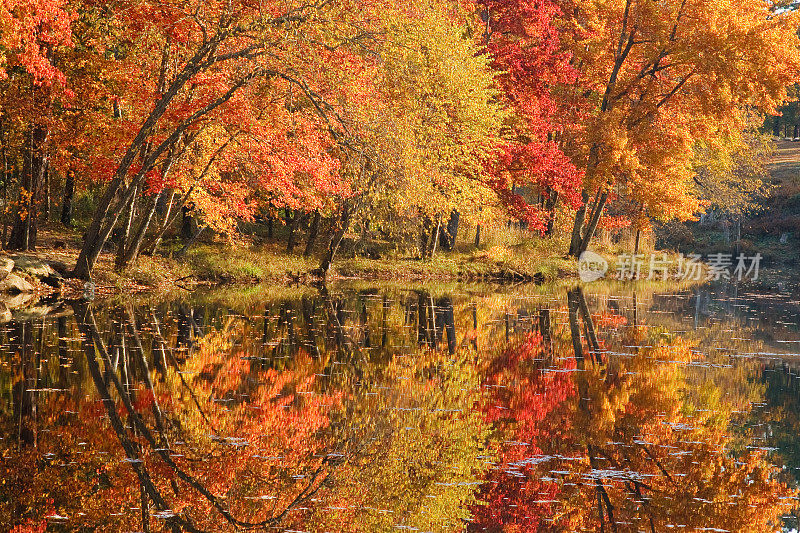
x=655, y=77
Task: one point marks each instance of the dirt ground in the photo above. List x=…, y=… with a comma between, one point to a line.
x=786, y=160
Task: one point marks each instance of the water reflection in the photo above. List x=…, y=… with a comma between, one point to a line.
x=372, y=409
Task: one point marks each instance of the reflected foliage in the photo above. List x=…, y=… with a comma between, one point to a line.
x=377, y=409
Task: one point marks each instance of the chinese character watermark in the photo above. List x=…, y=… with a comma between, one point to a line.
x=629, y=266
x=660, y=266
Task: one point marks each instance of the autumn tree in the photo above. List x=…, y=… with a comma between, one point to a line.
x=30, y=33
x=30, y=37
x=731, y=172
x=660, y=76
x=537, y=83
x=191, y=64
x=428, y=124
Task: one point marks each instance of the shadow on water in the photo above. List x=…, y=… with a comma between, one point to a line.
x=380, y=408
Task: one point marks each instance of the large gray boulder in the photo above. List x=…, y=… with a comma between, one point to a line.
x=17, y=301
x=6, y=266
x=14, y=284
x=36, y=268
x=15, y=292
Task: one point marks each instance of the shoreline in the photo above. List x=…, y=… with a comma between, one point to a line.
x=213, y=265
x=155, y=274
x=218, y=264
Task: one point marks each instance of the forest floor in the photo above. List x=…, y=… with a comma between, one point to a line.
x=785, y=165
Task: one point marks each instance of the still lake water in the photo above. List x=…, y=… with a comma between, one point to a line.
x=389, y=408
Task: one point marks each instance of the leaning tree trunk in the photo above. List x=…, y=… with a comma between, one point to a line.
x=312, y=234
x=118, y=193
x=134, y=243
x=126, y=233
x=114, y=201
x=191, y=241
x=591, y=227
x=169, y=219
x=23, y=233
x=337, y=234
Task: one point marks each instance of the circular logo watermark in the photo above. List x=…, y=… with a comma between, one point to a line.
x=591, y=266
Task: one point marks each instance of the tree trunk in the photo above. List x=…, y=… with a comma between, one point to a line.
x=99, y=230
x=188, y=224
x=448, y=236
x=47, y=201
x=126, y=232
x=593, y=221
x=134, y=244
x=164, y=204
x=291, y=224
x=477, y=236
x=15, y=176
x=191, y=241
x=550, y=205
x=4, y=152
x=312, y=234
x=131, y=251
x=424, y=237
x=580, y=215
x=117, y=193
x=164, y=207
x=336, y=239
x=169, y=220
x=436, y=234
x=66, y=204
x=23, y=234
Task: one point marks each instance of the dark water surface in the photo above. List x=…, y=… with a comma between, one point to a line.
x=383, y=408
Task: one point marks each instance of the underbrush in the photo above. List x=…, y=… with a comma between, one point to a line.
x=505, y=253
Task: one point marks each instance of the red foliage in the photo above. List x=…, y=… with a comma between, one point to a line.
x=31, y=30
x=525, y=403
x=523, y=42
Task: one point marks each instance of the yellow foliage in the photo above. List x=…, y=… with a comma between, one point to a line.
x=661, y=76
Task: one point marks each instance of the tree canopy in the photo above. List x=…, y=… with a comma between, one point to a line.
x=401, y=118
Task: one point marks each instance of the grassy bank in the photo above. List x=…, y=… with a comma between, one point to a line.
x=507, y=258
x=215, y=263
x=508, y=255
